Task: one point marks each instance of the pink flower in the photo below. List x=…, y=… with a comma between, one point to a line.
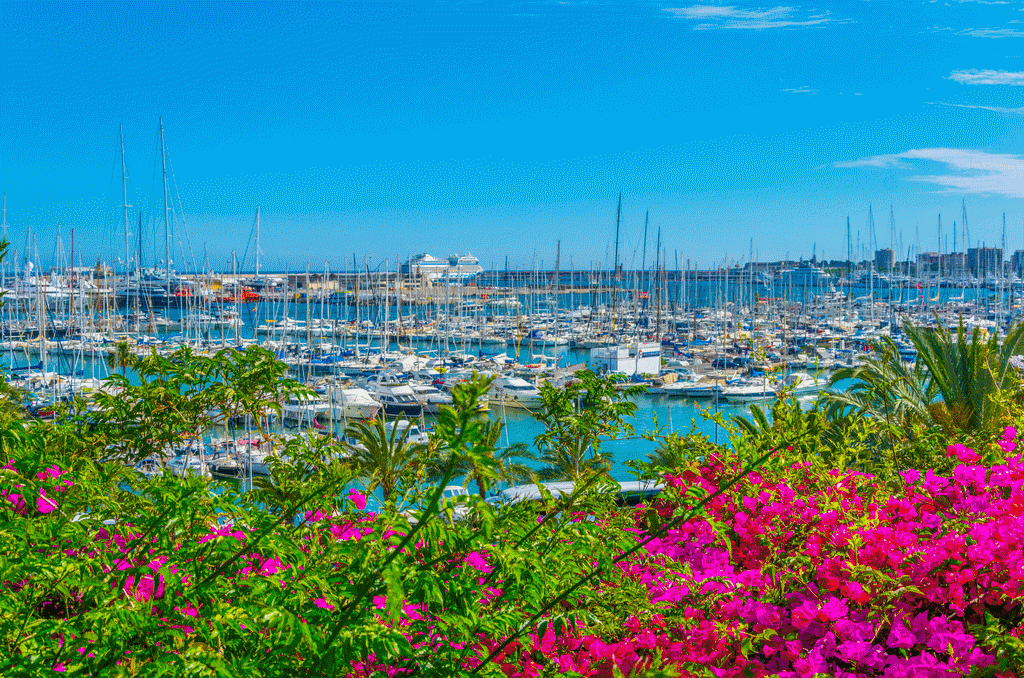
x=223, y=531
x=45, y=504
x=315, y=516
x=900, y=635
x=1008, y=443
x=478, y=562
x=963, y=453
x=357, y=498
x=321, y=602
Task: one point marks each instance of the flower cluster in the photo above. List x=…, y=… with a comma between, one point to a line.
x=49, y=482
x=799, y=575
x=791, y=572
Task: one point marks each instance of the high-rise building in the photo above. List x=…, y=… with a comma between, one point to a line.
x=885, y=260
x=1017, y=262
x=985, y=260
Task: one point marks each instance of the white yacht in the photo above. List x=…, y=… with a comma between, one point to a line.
x=749, y=390
x=304, y=409
x=705, y=388
x=210, y=320
x=351, y=403
x=394, y=396
x=283, y=326
x=411, y=430
x=804, y=274
x=188, y=464
x=431, y=397
x=802, y=383
x=517, y=391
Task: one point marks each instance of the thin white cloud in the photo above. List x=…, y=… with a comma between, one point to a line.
x=995, y=109
x=993, y=32
x=987, y=77
x=967, y=171
x=799, y=90
x=717, y=17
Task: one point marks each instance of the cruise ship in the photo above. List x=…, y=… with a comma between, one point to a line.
x=805, y=274
x=456, y=269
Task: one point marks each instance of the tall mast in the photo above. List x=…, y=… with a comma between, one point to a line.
x=618, y=220
x=643, y=259
x=167, y=209
x=871, y=268
x=615, y=265
x=657, y=281
x=3, y=266
x=124, y=191
x=849, y=254
x=938, y=245
x=257, y=241
x=1000, y=278
x=967, y=230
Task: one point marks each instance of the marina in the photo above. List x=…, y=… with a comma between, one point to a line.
x=393, y=344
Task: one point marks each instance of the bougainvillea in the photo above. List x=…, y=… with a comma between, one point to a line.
x=788, y=569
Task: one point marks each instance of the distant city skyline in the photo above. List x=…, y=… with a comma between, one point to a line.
x=383, y=130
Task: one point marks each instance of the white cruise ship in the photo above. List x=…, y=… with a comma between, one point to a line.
x=805, y=274
x=455, y=268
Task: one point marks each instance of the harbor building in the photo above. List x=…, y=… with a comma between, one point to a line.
x=627, y=360
x=1017, y=262
x=885, y=260
x=985, y=260
x=929, y=261
x=955, y=261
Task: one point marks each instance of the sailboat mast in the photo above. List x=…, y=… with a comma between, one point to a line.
x=615, y=265
x=3, y=230
x=167, y=209
x=124, y=191
x=257, y=242
x=643, y=258
x=657, y=281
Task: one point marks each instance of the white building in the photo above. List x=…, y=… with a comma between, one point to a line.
x=627, y=360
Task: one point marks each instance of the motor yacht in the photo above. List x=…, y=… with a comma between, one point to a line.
x=351, y=403
x=431, y=397
x=394, y=395
x=517, y=391
x=304, y=408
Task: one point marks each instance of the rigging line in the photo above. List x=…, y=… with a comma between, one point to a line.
x=181, y=213
x=245, y=252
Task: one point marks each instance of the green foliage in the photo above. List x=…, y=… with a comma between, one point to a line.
x=966, y=374
x=952, y=384
x=577, y=420
x=884, y=388
x=179, y=395
x=383, y=454
x=133, y=576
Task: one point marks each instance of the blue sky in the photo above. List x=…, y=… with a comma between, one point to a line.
x=385, y=129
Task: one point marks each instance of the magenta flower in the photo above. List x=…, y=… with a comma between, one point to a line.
x=357, y=498
x=45, y=504
x=478, y=562
x=1008, y=442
